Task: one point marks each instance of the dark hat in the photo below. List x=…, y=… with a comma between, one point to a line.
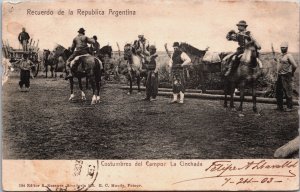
x=175, y=44
x=140, y=36
x=25, y=55
x=242, y=23
x=95, y=37
x=152, y=47
x=81, y=30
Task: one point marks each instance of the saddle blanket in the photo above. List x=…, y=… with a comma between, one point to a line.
x=85, y=55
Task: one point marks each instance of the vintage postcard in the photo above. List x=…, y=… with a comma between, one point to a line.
x=161, y=95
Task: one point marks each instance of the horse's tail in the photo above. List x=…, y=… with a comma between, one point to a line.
x=97, y=69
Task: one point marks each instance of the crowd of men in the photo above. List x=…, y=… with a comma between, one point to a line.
x=178, y=60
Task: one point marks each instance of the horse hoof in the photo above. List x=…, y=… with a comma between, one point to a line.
x=254, y=109
x=241, y=115
x=232, y=109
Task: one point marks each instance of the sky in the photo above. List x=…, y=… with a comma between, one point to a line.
x=199, y=23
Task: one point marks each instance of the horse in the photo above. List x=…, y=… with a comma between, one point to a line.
x=92, y=71
x=105, y=54
x=134, y=66
x=50, y=60
x=243, y=72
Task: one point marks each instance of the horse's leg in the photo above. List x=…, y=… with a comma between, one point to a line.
x=86, y=83
x=55, y=69
x=94, y=98
x=71, y=87
x=232, y=89
x=138, y=79
x=81, y=89
x=242, y=90
x=46, y=70
x=254, y=95
x=130, y=83
x=226, y=88
x=98, y=91
x=51, y=69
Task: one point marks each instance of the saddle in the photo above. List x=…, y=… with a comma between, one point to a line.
x=75, y=62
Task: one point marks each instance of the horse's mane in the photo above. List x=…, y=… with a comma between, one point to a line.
x=192, y=50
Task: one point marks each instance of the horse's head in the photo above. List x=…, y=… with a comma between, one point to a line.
x=46, y=54
x=106, y=50
x=128, y=51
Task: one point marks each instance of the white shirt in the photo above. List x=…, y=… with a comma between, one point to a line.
x=185, y=58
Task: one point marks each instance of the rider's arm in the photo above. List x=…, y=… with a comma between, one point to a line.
x=186, y=59
x=73, y=45
x=170, y=64
x=255, y=41
x=231, y=36
x=293, y=62
x=90, y=40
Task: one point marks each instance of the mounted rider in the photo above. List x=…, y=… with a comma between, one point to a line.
x=80, y=43
x=95, y=47
x=141, y=45
x=244, y=39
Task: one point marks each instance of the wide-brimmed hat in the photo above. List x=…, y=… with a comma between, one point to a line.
x=175, y=44
x=284, y=44
x=242, y=23
x=81, y=30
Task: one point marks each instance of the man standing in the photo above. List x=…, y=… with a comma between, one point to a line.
x=287, y=67
x=179, y=59
x=24, y=39
x=244, y=39
x=152, y=75
x=25, y=66
x=80, y=43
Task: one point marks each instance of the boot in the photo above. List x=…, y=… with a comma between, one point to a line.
x=174, y=98
x=181, y=97
x=68, y=72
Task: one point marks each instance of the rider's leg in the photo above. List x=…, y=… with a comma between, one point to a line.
x=68, y=65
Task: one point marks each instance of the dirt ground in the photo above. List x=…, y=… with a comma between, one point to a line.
x=43, y=124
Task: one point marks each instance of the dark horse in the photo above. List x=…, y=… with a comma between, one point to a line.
x=134, y=66
x=92, y=71
x=104, y=55
x=243, y=72
x=200, y=67
x=50, y=60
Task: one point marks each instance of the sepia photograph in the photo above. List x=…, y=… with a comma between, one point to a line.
x=116, y=87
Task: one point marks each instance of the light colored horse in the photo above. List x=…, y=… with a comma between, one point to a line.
x=134, y=66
